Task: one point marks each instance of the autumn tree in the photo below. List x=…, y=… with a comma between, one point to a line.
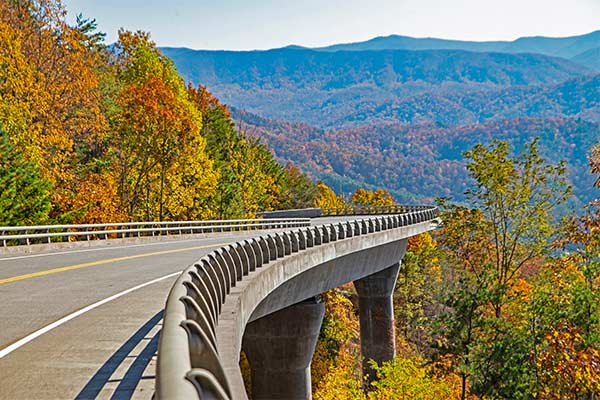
x=365, y=198
x=157, y=136
x=335, y=367
x=326, y=197
x=568, y=366
x=487, y=248
x=517, y=197
x=415, y=302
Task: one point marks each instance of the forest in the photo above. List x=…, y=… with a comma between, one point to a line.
x=501, y=302
x=94, y=133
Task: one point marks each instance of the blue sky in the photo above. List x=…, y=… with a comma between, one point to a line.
x=263, y=24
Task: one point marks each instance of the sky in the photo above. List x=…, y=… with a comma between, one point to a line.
x=264, y=24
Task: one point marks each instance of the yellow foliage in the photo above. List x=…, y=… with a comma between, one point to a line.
x=341, y=380
x=568, y=368
x=406, y=378
x=98, y=200
x=326, y=198
x=338, y=345
x=190, y=183
x=379, y=197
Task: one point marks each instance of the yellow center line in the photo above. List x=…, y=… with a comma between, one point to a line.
x=100, y=262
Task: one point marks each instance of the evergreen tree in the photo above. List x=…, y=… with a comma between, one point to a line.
x=25, y=196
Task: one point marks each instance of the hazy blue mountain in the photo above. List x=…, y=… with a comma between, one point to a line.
x=334, y=89
x=399, y=112
x=567, y=47
x=589, y=58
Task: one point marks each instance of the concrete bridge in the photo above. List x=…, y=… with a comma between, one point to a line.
x=84, y=322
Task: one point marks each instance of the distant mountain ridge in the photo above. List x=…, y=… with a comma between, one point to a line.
x=572, y=47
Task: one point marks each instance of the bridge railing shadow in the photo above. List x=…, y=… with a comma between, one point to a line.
x=134, y=373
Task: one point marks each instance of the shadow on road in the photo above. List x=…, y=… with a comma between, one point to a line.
x=129, y=381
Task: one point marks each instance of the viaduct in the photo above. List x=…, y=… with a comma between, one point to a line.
x=82, y=305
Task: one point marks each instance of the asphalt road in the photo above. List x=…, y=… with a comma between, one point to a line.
x=84, y=323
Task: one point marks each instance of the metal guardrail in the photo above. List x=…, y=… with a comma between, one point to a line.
x=188, y=364
x=26, y=235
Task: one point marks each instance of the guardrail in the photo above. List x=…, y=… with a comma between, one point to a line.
x=26, y=235
x=188, y=365
x=371, y=210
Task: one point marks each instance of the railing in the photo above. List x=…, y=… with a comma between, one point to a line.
x=371, y=210
x=26, y=235
x=188, y=364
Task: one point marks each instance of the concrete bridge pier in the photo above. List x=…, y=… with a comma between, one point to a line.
x=376, y=310
x=279, y=347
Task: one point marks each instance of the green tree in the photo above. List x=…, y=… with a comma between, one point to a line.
x=517, y=197
x=25, y=196
x=487, y=248
x=298, y=190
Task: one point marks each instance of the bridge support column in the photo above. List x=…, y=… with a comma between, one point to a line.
x=376, y=309
x=280, y=347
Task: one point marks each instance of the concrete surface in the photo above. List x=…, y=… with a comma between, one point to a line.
x=108, y=351
x=92, y=355
x=354, y=253
x=376, y=313
x=280, y=347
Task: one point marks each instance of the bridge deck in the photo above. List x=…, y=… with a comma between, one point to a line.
x=106, y=352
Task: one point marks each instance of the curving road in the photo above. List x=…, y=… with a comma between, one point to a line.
x=84, y=323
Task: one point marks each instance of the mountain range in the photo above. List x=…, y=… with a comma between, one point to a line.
x=349, y=88
x=398, y=112
x=583, y=49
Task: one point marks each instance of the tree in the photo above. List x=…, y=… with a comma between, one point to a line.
x=50, y=95
x=407, y=378
x=568, y=366
x=157, y=125
x=366, y=198
x=517, y=197
x=487, y=248
x=25, y=196
x=326, y=198
x=298, y=190
x=335, y=367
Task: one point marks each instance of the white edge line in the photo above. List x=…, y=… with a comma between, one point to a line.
x=9, y=349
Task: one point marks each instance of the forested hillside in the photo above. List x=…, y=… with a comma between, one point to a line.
x=371, y=118
x=421, y=161
x=91, y=134
x=350, y=88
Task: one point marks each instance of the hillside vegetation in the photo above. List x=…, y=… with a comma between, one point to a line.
x=375, y=114
x=350, y=88
x=92, y=134
x=421, y=161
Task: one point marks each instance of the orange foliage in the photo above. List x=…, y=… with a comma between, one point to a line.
x=205, y=100
x=567, y=367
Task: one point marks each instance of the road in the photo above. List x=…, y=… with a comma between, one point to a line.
x=84, y=323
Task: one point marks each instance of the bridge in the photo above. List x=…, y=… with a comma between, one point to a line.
x=81, y=317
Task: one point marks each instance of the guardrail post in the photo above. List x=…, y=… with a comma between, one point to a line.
x=280, y=347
